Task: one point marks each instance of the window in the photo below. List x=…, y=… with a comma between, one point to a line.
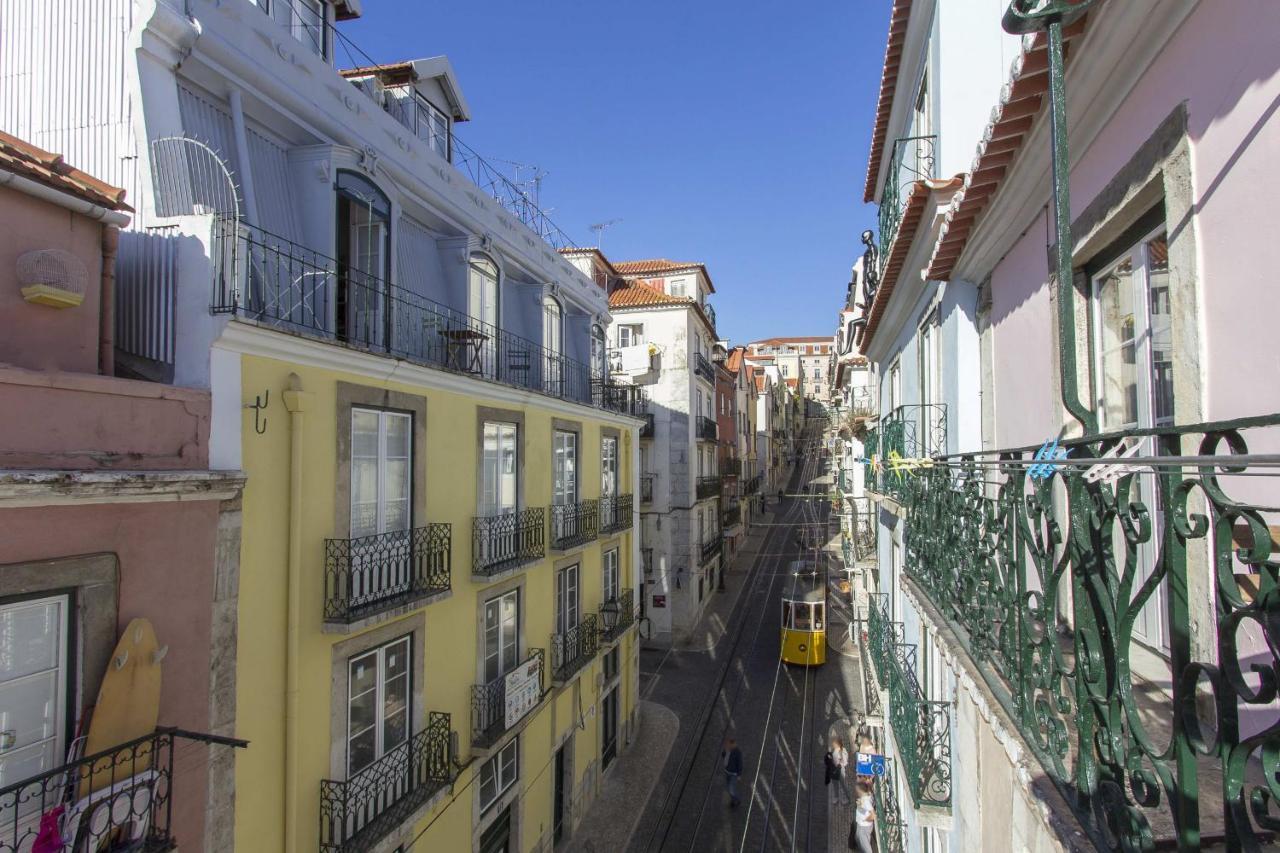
x=433, y=127
x=34, y=687
x=498, y=774
x=610, y=663
x=895, y=385
x=566, y=599
x=678, y=287
x=363, y=250
x=564, y=468
x=785, y=372
x=482, y=290
x=608, y=466
x=498, y=469
x=629, y=336
x=552, y=340
x=599, y=367
x=611, y=576
x=377, y=703
x=501, y=635
x=1134, y=361
x=304, y=19
x=381, y=471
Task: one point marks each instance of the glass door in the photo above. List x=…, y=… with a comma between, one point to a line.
x=364, y=239
x=609, y=728
x=498, y=493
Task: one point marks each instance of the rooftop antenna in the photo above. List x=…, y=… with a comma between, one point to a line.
x=535, y=181
x=598, y=229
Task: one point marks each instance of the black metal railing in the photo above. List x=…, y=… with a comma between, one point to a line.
x=575, y=648
x=711, y=548
x=574, y=524
x=753, y=485
x=730, y=466
x=732, y=516
x=372, y=574
x=356, y=813
x=646, y=487
x=616, y=615
x=707, y=487
x=703, y=367
x=507, y=540
x=491, y=715
x=615, y=513
x=273, y=281
x=710, y=311
x=646, y=431
x=124, y=793
x=707, y=429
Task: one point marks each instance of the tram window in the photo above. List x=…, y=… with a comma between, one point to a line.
x=817, y=617
x=786, y=614
x=802, y=617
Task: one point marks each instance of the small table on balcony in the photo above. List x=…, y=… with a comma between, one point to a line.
x=464, y=349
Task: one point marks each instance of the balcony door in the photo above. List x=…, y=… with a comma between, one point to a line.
x=609, y=480
x=567, y=612
x=499, y=482
x=34, y=684
x=381, y=488
x=552, y=344
x=501, y=635
x=378, y=703
x=363, y=250
x=476, y=345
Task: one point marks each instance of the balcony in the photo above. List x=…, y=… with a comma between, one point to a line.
x=646, y=560
x=891, y=829
x=356, y=813
x=574, y=524
x=574, y=649
x=127, y=791
x=1050, y=613
x=753, y=485
x=492, y=715
x=732, y=516
x=921, y=728
x=374, y=574
x=617, y=615
x=269, y=280
x=707, y=487
x=646, y=430
x=899, y=445
x=711, y=548
x=710, y=312
x=730, y=466
x=707, y=429
x=704, y=368
x=646, y=488
x=615, y=513
x=912, y=160
x=504, y=542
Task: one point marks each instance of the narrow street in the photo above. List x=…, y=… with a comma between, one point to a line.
x=779, y=714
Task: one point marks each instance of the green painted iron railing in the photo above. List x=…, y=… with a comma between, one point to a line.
x=913, y=159
x=891, y=831
x=895, y=447
x=1053, y=582
x=921, y=728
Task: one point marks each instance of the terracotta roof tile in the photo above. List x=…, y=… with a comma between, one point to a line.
x=734, y=361
x=49, y=169
x=816, y=339
x=661, y=265
x=1021, y=102
x=637, y=294
x=898, y=19
x=896, y=255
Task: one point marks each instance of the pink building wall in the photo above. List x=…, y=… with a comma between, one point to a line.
x=37, y=336
x=1224, y=62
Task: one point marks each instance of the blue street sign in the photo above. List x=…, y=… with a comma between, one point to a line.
x=869, y=764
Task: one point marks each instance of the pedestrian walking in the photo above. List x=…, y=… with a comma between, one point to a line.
x=828, y=771
x=840, y=758
x=864, y=821
x=732, y=757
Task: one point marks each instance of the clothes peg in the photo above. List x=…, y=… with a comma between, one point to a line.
x=1110, y=472
x=1047, y=460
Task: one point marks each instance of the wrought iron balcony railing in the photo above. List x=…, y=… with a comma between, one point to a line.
x=706, y=428
x=507, y=541
x=574, y=524
x=273, y=281
x=646, y=431
x=707, y=487
x=730, y=466
x=711, y=548
x=99, y=800
x=492, y=715
x=373, y=574
x=912, y=160
x=1049, y=576
x=921, y=728
x=896, y=447
x=891, y=829
x=615, y=513
x=702, y=366
x=753, y=485
x=646, y=487
x=356, y=813
x=616, y=615
x=710, y=311
x=732, y=516
x=575, y=648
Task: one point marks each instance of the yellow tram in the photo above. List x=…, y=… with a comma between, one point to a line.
x=804, y=616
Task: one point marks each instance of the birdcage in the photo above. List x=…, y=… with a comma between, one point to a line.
x=52, y=277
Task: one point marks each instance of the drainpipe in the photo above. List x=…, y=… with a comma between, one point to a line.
x=242, y=157
x=107, y=304
x=296, y=402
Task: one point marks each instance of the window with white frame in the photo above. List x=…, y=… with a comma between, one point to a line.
x=501, y=635
x=612, y=579
x=378, y=714
x=381, y=471
x=498, y=774
x=498, y=469
x=567, y=601
x=608, y=466
x=433, y=127
x=631, y=335
x=678, y=287
x=564, y=468
x=482, y=290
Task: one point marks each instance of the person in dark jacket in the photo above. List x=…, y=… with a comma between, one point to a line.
x=732, y=757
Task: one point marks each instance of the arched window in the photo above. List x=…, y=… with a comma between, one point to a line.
x=482, y=290
x=364, y=254
x=599, y=367
x=552, y=340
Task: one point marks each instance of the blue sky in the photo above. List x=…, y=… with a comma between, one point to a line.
x=729, y=133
